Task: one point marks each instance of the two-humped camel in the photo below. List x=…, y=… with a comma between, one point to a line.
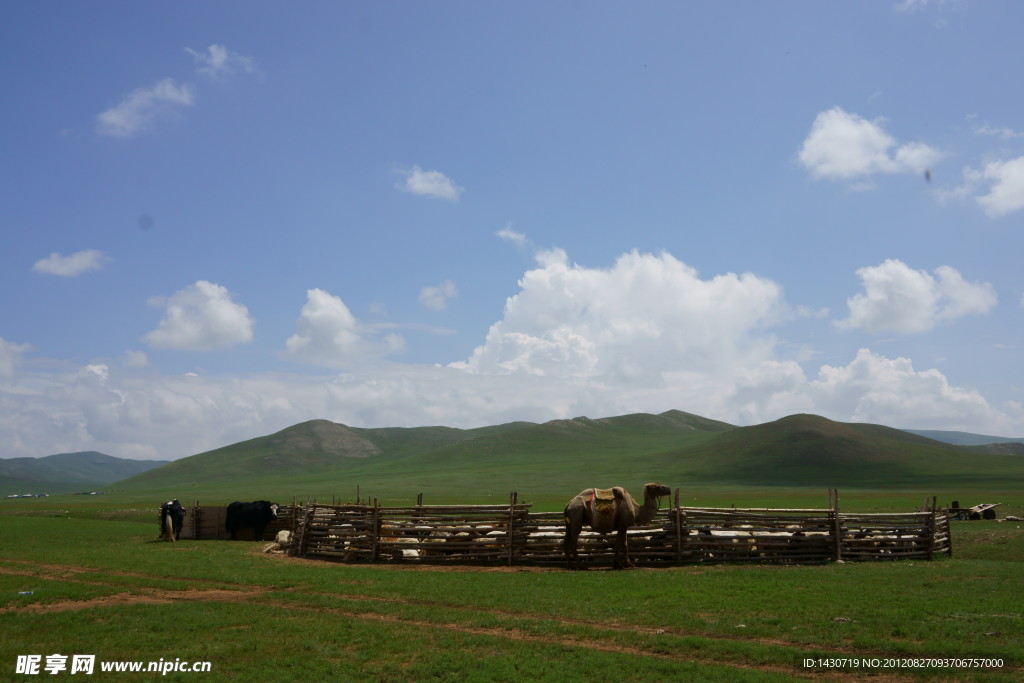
x=608, y=510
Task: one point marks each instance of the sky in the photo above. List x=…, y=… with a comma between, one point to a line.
x=219, y=220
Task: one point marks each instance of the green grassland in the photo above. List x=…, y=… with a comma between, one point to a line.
x=104, y=586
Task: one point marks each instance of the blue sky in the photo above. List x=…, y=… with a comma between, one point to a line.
x=221, y=220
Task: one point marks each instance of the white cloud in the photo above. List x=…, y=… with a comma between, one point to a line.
x=329, y=335
x=430, y=184
x=10, y=356
x=646, y=334
x=845, y=146
x=71, y=265
x=436, y=297
x=899, y=299
x=1002, y=132
x=510, y=235
x=1005, y=180
x=882, y=390
x=218, y=62
x=872, y=389
x=201, y=317
x=143, y=106
x=642, y=317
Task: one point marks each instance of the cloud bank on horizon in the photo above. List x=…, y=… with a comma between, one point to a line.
x=839, y=256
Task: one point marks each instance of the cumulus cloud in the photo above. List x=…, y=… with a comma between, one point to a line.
x=71, y=265
x=329, y=335
x=142, y=107
x=890, y=391
x=436, y=297
x=645, y=315
x=430, y=184
x=845, y=146
x=1004, y=182
x=647, y=333
x=201, y=317
x=897, y=298
x=217, y=62
x=998, y=187
x=872, y=389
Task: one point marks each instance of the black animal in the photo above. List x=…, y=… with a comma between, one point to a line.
x=255, y=516
x=172, y=518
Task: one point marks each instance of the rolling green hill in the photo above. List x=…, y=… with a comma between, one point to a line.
x=322, y=456
x=807, y=450
x=67, y=472
x=454, y=465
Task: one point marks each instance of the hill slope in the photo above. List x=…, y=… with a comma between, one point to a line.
x=309, y=447
x=502, y=457
x=807, y=450
x=67, y=472
x=679, y=449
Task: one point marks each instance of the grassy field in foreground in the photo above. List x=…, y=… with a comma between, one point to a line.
x=106, y=588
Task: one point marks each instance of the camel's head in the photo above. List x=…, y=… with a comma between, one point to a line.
x=656, y=491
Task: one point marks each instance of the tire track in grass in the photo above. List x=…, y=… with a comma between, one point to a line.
x=155, y=596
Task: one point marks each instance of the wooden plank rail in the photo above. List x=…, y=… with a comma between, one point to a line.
x=207, y=522
x=510, y=534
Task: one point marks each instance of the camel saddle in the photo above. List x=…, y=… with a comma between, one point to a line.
x=603, y=507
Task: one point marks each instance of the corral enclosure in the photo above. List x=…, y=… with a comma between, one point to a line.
x=511, y=534
x=208, y=522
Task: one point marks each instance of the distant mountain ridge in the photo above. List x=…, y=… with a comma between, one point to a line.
x=798, y=450
x=68, y=472
x=963, y=438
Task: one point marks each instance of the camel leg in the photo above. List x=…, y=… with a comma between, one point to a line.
x=570, y=544
x=622, y=560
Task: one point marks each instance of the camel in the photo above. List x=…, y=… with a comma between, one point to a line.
x=608, y=510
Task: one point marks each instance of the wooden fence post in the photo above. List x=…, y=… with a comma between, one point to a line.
x=932, y=529
x=837, y=529
x=303, y=540
x=376, y=529
x=679, y=530
x=949, y=531
x=512, y=499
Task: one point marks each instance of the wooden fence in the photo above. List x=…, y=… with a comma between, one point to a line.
x=207, y=522
x=511, y=534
